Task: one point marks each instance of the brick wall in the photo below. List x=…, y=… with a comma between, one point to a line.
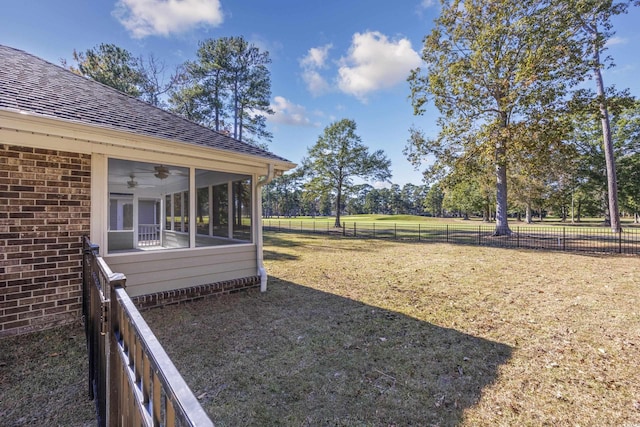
x=44, y=211
x=195, y=293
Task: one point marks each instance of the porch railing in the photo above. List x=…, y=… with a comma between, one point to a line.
x=148, y=234
x=131, y=378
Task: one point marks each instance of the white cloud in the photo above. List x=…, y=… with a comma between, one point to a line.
x=374, y=62
x=316, y=84
x=314, y=60
x=615, y=40
x=316, y=57
x=288, y=113
x=164, y=17
x=426, y=4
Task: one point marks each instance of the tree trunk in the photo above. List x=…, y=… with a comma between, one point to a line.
x=240, y=124
x=339, y=196
x=607, y=211
x=235, y=107
x=612, y=184
x=529, y=214
x=572, y=210
x=502, y=224
x=216, y=100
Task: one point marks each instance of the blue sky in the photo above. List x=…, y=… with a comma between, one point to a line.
x=330, y=59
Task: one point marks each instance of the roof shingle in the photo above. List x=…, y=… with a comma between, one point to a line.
x=31, y=84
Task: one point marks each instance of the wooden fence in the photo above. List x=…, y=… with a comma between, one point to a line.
x=131, y=379
x=555, y=238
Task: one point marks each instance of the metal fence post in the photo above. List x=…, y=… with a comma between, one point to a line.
x=418, y=232
x=395, y=231
x=447, y=236
x=479, y=235
x=620, y=241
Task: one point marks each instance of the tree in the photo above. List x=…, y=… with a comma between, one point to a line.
x=433, y=200
x=154, y=85
x=208, y=83
x=110, y=65
x=117, y=67
x=192, y=102
x=592, y=20
x=626, y=131
x=339, y=156
x=373, y=202
x=229, y=80
x=491, y=66
x=464, y=197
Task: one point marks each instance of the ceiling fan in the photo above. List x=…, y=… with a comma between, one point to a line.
x=132, y=183
x=162, y=172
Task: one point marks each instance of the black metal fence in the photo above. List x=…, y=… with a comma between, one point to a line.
x=555, y=238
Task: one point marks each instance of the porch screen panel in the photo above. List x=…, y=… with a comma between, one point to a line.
x=223, y=214
x=242, y=210
x=147, y=206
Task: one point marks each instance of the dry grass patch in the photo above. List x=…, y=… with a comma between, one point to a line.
x=358, y=332
x=43, y=379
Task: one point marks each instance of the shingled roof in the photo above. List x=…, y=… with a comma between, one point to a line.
x=33, y=85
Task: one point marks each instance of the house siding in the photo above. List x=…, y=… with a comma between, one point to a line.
x=45, y=208
x=149, y=273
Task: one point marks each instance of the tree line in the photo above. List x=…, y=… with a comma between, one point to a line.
x=520, y=129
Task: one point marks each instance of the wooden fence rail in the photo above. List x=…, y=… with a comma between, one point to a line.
x=131, y=378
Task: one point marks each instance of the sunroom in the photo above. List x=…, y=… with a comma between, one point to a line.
x=159, y=207
x=175, y=222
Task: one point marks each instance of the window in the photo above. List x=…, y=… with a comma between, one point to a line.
x=150, y=207
x=223, y=204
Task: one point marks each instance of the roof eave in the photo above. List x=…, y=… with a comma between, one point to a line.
x=31, y=122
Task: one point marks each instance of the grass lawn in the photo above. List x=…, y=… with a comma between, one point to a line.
x=43, y=379
x=382, y=333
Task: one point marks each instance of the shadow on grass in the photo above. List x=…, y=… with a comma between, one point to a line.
x=281, y=241
x=278, y=256
x=43, y=379
x=298, y=356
